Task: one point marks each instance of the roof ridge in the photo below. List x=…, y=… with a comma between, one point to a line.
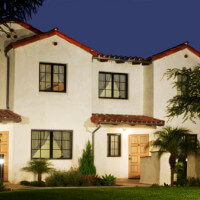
x=174, y=49
x=49, y=34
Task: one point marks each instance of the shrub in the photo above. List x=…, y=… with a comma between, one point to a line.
x=38, y=183
x=87, y=161
x=108, y=180
x=2, y=186
x=73, y=177
x=25, y=183
x=193, y=181
x=90, y=180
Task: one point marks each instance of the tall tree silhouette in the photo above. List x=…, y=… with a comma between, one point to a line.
x=20, y=9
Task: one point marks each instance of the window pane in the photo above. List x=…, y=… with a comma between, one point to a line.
x=35, y=135
x=48, y=77
x=48, y=86
x=57, y=154
x=57, y=135
x=42, y=86
x=42, y=77
x=66, y=135
x=61, y=69
x=57, y=144
x=55, y=69
x=48, y=68
x=45, y=153
x=45, y=135
x=108, y=93
x=122, y=94
x=66, y=153
x=102, y=77
x=35, y=144
x=102, y=85
x=116, y=78
x=108, y=77
x=45, y=144
x=123, y=78
x=42, y=68
x=55, y=78
x=66, y=144
x=35, y=154
x=61, y=78
x=122, y=86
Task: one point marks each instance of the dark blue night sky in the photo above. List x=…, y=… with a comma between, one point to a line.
x=124, y=27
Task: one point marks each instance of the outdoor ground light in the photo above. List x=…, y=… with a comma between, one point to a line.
x=1, y=161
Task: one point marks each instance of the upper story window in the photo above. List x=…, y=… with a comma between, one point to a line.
x=181, y=80
x=114, y=145
x=51, y=144
x=113, y=85
x=52, y=77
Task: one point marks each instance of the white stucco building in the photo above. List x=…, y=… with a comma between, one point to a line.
x=65, y=93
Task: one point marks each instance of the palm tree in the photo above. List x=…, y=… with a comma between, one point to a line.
x=38, y=167
x=175, y=141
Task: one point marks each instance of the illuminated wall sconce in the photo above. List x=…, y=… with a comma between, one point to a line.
x=1, y=161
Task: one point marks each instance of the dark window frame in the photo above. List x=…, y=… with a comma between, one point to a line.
x=65, y=77
x=51, y=144
x=109, y=144
x=112, y=87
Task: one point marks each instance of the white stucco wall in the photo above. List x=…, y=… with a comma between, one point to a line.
x=49, y=110
x=163, y=90
x=21, y=33
x=134, y=103
x=118, y=166
x=155, y=170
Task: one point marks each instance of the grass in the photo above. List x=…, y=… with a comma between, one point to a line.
x=136, y=193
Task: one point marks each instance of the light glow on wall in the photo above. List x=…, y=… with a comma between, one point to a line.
x=1, y=161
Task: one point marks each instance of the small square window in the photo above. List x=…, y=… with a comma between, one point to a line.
x=52, y=77
x=113, y=85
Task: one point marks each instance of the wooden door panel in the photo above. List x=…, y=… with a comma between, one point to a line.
x=4, y=149
x=137, y=148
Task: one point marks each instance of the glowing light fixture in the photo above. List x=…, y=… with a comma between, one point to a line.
x=1, y=161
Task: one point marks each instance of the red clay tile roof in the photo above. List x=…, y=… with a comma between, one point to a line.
x=25, y=25
x=49, y=34
x=7, y=115
x=125, y=119
x=120, y=59
x=174, y=50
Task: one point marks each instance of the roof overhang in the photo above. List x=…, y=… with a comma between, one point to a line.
x=174, y=50
x=9, y=116
x=48, y=34
x=116, y=119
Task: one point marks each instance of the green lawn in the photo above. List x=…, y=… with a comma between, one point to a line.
x=135, y=193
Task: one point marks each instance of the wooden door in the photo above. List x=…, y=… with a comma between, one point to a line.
x=137, y=149
x=4, y=147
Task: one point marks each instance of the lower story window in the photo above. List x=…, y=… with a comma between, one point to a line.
x=114, y=145
x=51, y=144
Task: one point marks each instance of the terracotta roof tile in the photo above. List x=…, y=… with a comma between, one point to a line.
x=45, y=35
x=7, y=115
x=126, y=119
x=174, y=50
